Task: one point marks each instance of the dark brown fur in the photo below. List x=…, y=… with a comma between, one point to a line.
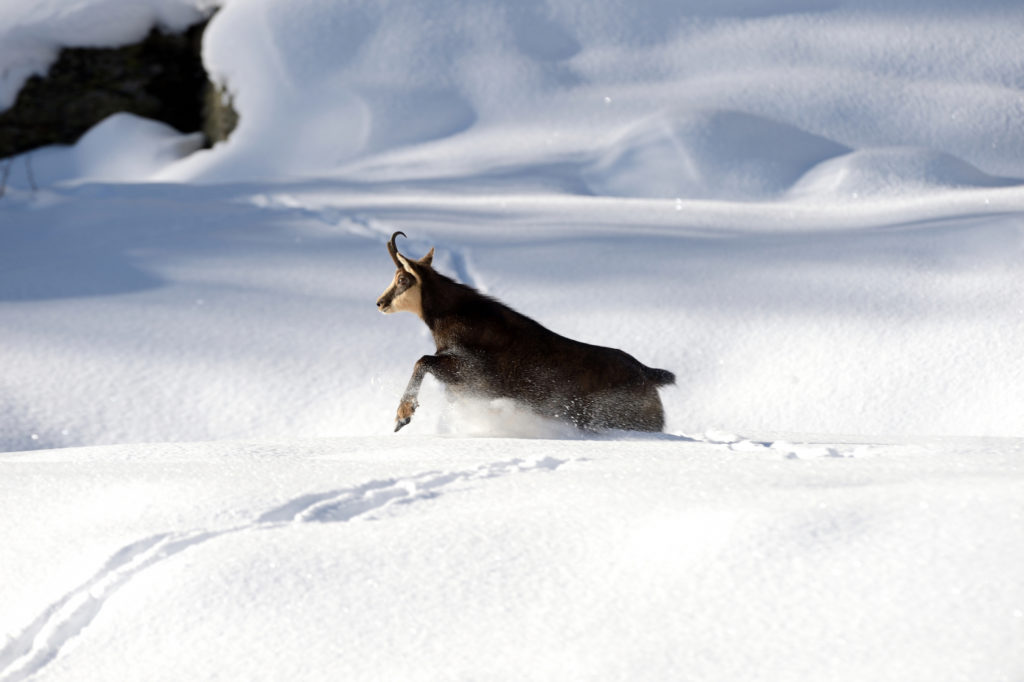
x=484, y=348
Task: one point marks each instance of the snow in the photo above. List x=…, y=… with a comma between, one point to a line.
x=812, y=213
x=435, y=558
x=120, y=148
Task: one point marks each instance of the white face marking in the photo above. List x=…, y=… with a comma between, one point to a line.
x=410, y=299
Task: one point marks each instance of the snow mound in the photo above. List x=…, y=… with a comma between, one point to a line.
x=334, y=82
x=127, y=148
x=738, y=156
x=708, y=155
x=121, y=148
x=893, y=172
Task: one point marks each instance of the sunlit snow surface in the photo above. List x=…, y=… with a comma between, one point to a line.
x=812, y=213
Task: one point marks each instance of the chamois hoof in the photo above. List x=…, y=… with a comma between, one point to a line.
x=405, y=411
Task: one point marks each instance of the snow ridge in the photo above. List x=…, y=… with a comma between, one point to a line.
x=42, y=640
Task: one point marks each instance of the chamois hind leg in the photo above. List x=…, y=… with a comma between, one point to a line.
x=444, y=367
x=652, y=412
x=637, y=409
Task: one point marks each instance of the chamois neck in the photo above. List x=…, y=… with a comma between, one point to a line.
x=443, y=297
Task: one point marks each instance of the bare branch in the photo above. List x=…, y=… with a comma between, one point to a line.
x=28, y=173
x=4, y=175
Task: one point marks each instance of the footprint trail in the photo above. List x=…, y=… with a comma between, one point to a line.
x=31, y=649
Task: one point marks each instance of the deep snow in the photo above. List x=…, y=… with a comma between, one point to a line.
x=434, y=558
x=812, y=213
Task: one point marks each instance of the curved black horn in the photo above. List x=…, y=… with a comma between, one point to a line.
x=393, y=250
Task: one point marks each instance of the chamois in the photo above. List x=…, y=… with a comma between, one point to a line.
x=484, y=348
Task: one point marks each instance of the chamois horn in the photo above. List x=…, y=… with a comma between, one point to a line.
x=393, y=250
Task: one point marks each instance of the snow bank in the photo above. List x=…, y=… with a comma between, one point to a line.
x=353, y=87
x=429, y=559
x=662, y=99
x=892, y=172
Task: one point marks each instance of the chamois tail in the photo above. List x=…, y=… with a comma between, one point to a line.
x=659, y=377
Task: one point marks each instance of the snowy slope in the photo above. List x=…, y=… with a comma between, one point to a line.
x=435, y=559
x=153, y=313
x=812, y=213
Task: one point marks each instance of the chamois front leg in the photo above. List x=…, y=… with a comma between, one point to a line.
x=444, y=367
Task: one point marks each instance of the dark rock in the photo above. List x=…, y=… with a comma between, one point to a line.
x=161, y=77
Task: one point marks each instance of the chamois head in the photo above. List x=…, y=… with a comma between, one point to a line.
x=406, y=289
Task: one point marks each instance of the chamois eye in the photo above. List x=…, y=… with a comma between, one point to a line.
x=404, y=280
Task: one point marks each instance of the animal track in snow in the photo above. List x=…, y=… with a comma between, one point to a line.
x=349, y=503
x=40, y=642
x=456, y=260
x=465, y=272
x=786, y=449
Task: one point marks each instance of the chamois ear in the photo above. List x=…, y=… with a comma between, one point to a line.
x=429, y=258
x=405, y=264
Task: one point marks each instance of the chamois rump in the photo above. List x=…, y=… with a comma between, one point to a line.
x=486, y=349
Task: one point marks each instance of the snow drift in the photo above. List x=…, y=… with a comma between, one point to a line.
x=709, y=155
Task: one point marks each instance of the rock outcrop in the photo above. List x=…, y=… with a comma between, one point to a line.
x=161, y=77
